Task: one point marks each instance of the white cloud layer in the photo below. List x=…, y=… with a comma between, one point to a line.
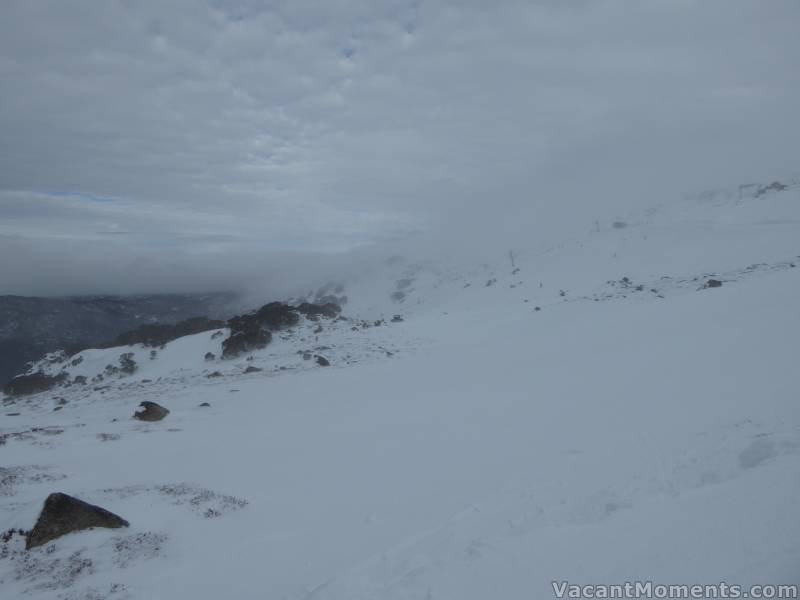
x=192, y=135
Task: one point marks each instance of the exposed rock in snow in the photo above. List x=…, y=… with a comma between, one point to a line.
x=243, y=341
x=150, y=411
x=498, y=448
x=276, y=315
x=311, y=311
x=63, y=514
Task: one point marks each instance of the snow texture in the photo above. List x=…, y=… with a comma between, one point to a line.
x=596, y=414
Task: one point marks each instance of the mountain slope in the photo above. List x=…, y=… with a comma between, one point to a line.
x=479, y=448
x=32, y=327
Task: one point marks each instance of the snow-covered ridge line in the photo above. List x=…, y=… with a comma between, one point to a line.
x=238, y=335
x=475, y=448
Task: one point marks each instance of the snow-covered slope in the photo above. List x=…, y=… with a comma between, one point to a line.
x=637, y=426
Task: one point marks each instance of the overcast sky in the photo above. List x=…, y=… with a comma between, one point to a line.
x=151, y=145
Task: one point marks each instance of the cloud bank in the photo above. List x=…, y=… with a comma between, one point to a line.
x=162, y=145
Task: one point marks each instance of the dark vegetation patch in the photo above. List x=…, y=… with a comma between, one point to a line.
x=160, y=334
x=253, y=331
x=10, y=477
x=201, y=501
x=311, y=311
x=33, y=384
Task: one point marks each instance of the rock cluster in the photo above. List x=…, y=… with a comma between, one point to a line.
x=253, y=331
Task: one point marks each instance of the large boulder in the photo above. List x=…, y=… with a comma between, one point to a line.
x=63, y=514
x=150, y=411
x=33, y=383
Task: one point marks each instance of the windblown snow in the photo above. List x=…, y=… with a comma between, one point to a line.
x=593, y=413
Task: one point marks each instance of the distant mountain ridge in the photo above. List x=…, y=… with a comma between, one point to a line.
x=33, y=326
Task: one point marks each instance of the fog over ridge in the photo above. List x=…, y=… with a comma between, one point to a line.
x=179, y=146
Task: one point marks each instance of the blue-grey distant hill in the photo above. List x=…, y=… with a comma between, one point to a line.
x=31, y=327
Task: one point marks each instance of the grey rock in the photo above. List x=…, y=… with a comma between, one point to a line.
x=63, y=514
x=150, y=411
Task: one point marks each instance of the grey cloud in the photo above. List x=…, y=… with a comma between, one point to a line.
x=232, y=130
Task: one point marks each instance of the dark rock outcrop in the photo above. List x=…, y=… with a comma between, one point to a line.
x=276, y=315
x=252, y=369
x=160, y=334
x=322, y=361
x=331, y=299
x=775, y=186
x=252, y=331
x=311, y=311
x=33, y=384
x=63, y=514
x=713, y=283
x=251, y=337
x=150, y=411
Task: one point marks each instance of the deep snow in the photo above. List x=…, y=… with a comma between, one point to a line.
x=478, y=449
